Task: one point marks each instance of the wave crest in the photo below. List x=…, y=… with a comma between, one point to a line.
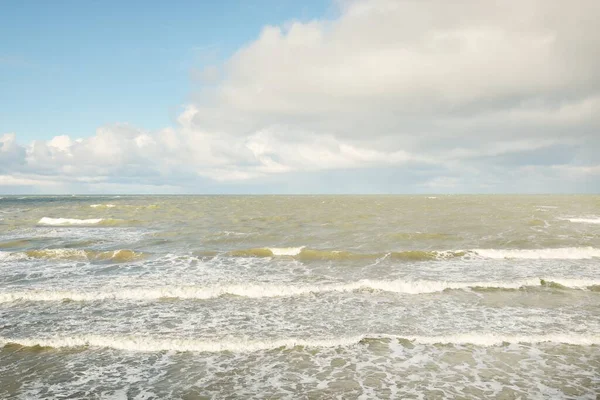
x=303, y=253
x=122, y=255
x=584, y=220
x=47, y=221
x=69, y=221
x=150, y=344
x=274, y=290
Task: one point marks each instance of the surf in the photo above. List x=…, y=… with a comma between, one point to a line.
x=584, y=220
x=240, y=345
x=264, y=290
x=66, y=222
x=119, y=256
x=307, y=254
x=69, y=221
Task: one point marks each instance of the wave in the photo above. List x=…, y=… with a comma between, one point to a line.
x=150, y=344
x=103, y=205
x=563, y=253
x=302, y=253
x=267, y=252
x=69, y=221
x=277, y=290
x=421, y=236
x=584, y=220
x=15, y=243
x=80, y=222
x=122, y=255
x=10, y=256
x=419, y=255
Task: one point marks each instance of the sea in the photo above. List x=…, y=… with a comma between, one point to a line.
x=300, y=297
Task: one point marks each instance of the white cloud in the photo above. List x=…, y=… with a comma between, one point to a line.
x=446, y=94
x=11, y=153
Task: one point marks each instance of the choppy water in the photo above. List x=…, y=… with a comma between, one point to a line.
x=300, y=297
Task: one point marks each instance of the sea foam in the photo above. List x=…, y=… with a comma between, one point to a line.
x=584, y=220
x=265, y=290
x=306, y=254
x=563, y=253
x=68, y=221
x=154, y=344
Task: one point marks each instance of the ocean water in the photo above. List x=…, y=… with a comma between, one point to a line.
x=314, y=297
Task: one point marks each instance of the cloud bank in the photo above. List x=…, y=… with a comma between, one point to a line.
x=390, y=96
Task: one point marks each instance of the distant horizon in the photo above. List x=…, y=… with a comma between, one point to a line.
x=4, y=195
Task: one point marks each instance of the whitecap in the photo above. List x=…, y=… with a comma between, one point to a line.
x=583, y=220
x=68, y=221
x=265, y=290
x=562, y=253
x=240, y=345
x=285, y=251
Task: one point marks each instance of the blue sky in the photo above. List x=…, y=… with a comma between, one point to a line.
x=282, y=96
x=68, y=67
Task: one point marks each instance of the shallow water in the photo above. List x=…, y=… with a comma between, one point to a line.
x=300, y=297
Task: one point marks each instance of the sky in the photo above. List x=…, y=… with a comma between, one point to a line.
x=280, y=96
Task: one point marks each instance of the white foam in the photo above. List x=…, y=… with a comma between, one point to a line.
x=584, y=220
x=492, y=339
x=285, y=251
x=69, y=221
x=564, y=253
x=102, y=205
x=275, y=290
x=150, y=344
x=12, y=256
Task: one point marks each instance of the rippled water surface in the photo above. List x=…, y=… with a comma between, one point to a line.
x=315, y=297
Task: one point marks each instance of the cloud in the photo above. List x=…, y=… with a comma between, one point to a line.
x=433, y=95
x=11, y=154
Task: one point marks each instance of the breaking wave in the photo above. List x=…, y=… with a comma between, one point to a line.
x=564, y=253
x=267, y=252
x=302, y=253
x=103, y=205
x=69, y=221
x=150, y=344
x=275, y=290
x=122, y=255
x=81, y=222
x=584, y=220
